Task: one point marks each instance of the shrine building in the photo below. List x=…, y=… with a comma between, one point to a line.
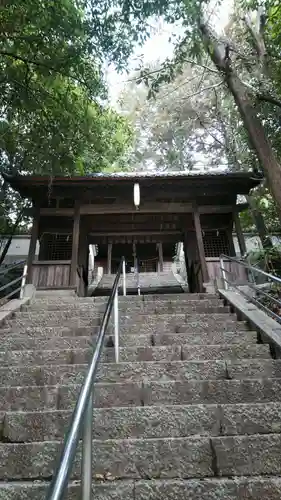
x=139, y=216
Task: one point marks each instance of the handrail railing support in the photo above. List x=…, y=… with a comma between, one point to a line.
x=87, y=452
x=23, y=281
x=225, y=284
x=116, y=327
x=124, y=277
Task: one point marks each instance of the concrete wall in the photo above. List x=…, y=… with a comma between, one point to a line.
x=253, y=242
x=18, y=249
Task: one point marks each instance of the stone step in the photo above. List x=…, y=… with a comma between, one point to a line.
x=49, y=342
x=49, y=331
x=80, y=356
x=52, y=342
x=64, y=397
x=159, y=353
x=36, y=490
x=112, y=372
x=149, y=422
x=132, y=329
x=147, y=306
x=66, y=318
x=189, y=297
x=256, y=390
x=142, y=371
x=128, y=459
x=246, y=488
x=190, y=457
x=21, y=342
x=33, y=398
x=205, y=337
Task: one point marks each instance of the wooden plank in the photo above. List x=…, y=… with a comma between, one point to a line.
x=53, y=274
x=200, y=244
x=75, y=244
x=32, y=244
x=240, y=235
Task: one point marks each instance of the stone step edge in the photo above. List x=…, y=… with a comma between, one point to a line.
x=193, y=437
x=136, y=489
x=229, y=346
x=146, y=408
x=141, y=384
x=160, y=363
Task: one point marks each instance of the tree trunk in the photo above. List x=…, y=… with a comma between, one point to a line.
x=256, y=133
x=259, y=223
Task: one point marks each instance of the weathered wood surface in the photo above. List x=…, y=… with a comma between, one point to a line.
x=148, y=207
x=51, y=274
x=238, y=273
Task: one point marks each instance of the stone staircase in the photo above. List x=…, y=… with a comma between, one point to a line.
x=150, y=283
x=192, y=411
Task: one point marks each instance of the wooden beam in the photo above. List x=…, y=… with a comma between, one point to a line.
x=32, y=244
x=75, y=245
x=160, y=252
x=147, y=208
x=239, y=232
x=200, y=244
x=136, y=233
x=57, y=212
x=109, y=257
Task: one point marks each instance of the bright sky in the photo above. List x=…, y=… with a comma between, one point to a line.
x=158, y=47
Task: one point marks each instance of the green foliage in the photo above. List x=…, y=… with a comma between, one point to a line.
x=266, y=205
x=52, y=93
x=268, y=259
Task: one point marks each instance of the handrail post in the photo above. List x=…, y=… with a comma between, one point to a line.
x=116, y=327
x=225, y=285
x=23, y=281
x=124, y=277
x=87, y=452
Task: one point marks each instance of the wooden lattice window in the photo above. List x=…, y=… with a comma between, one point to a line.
x=55, y=246
x=216, y=243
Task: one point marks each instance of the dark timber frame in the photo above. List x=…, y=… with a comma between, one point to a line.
x=100, y=210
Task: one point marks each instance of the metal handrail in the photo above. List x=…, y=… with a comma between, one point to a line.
x=21, y=278
x=252, y=268
x=253, y=286
x=11, y=267
x=82, y=417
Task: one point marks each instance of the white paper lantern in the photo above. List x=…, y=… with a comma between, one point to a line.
x=137, y=195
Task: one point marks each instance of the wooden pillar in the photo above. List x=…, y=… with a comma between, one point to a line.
x=32, y=244
x=200, y=244
x=109, y=257
x=75, y=245
x=135, y=256
x=83, y=253
x=239, y=232
x=161, y=260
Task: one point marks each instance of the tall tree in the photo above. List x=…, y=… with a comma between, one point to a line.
x=52, y=95
x=261, y=84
